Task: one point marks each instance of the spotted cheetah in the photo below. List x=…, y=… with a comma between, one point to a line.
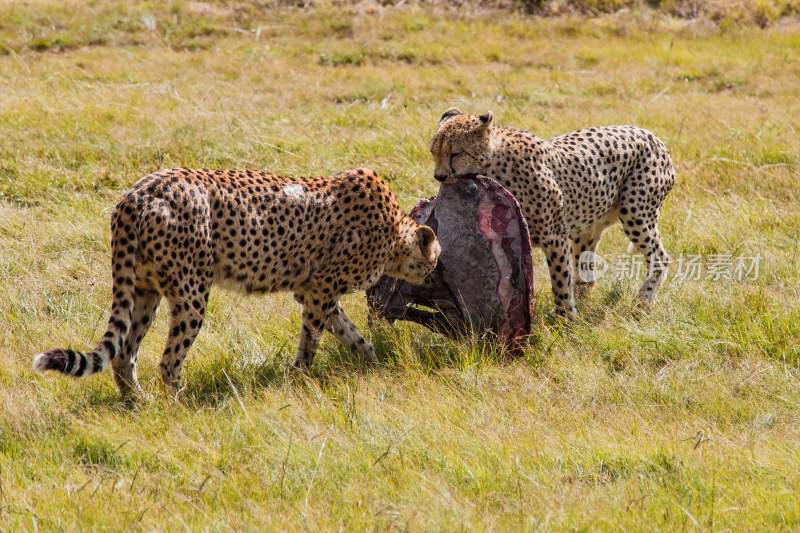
x=177, y=232
x=571, y=188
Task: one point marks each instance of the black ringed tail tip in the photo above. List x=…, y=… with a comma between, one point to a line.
x=60, y=360
x=69, y=362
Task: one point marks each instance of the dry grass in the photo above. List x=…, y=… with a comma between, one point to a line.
x=686, y=418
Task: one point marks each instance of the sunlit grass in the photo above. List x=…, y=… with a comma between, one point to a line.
x=683, y=418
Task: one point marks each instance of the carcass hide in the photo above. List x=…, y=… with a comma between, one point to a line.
x=484, y=280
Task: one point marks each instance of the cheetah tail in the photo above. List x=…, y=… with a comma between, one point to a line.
x=81, y=364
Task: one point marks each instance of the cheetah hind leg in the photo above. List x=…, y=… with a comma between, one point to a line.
x=145, y=305
x=186, y=319
x=345, y=331
x=585, y=268
x=642, y=230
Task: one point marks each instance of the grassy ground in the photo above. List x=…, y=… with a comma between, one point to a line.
x=686, y=418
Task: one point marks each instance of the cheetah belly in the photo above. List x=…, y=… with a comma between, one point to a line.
x=591, y=196
x=589, y=208
x=260, y=270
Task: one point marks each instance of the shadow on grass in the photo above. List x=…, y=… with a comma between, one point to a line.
x=220, y=378
x=104, y=395
x=218, y=381
x=613, y=300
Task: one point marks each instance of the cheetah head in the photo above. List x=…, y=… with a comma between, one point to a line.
x=459, y=144
x=416, y=253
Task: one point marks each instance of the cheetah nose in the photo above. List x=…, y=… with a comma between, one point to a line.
x=440, y=177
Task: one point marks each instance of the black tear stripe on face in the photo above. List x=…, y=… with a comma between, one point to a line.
x=456, y=154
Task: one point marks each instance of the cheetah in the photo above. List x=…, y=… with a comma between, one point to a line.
x=178, y=232
x=571, y=188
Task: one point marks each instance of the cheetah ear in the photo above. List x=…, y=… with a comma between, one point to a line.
x=486, y=118
x=428, y=244
x=453, y=111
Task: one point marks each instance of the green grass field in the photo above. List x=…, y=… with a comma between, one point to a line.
x=684, y=418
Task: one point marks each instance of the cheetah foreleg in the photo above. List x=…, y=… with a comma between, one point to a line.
x=314, y=319
x=558, y=249
x=344, y=330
